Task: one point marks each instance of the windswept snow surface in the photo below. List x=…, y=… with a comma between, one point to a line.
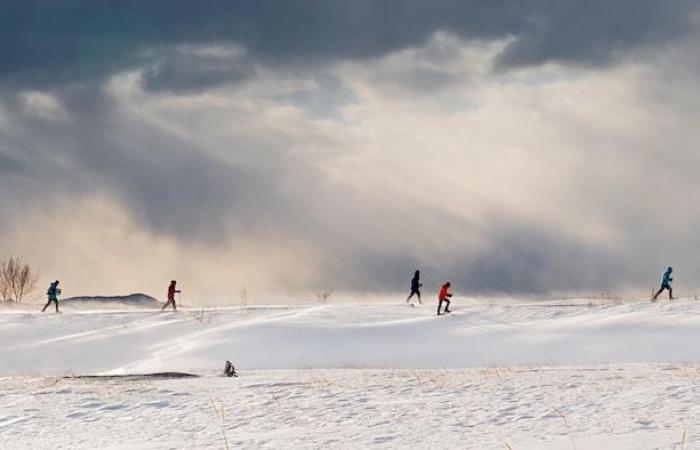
x=524, y=375
x=358, y=336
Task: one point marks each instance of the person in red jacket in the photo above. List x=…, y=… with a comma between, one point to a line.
x=444, y=296
x=171, y=296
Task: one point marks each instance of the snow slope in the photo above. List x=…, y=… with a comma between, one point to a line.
x=520, y=375
x=329, y=336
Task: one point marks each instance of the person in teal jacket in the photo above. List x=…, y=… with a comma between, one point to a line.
x=52, y=293
x=665, y=284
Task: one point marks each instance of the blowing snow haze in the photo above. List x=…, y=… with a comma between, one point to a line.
x=294, y=146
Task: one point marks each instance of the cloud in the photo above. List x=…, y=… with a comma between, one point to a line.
x=272, y=148
x=187, y=68
x=171, y=183
x=48, y=43
x=597, y=33
x=39, y=105
x=94, y=245
x=9, y=165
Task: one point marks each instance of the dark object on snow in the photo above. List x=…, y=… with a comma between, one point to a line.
x=229, y=370
x=140, y=375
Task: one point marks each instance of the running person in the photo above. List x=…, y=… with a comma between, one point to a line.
x=171, y=296
x=415, y=287
x=665, y=284
x=52, y=292
x=444, y=296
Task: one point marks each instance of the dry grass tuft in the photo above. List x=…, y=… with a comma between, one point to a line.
x=221, y=419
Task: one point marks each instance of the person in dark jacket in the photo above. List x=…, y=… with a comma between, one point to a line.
x=444, y=296
x=171, y=296
x=52, y=293
x=665, y=284
x=415, y=287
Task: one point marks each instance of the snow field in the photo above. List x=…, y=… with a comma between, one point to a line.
x=630, y=406
x=517, y=375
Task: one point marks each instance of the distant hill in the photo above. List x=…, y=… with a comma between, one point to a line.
x=138, y=300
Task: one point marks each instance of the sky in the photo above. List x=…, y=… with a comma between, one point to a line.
x=291, y=147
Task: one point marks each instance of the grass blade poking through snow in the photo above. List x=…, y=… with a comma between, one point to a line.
x=221, y=419
x=568, y=429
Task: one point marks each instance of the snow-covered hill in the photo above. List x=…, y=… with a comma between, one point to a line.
x=519, y=375
x=115, y=301
x=347, y=336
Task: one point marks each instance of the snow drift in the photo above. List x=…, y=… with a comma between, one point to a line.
x=345, y=336
x=116, y=301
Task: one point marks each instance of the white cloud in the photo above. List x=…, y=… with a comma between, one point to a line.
x=44, y=106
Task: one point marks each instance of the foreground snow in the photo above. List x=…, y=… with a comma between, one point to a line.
x=629, y=407
x=339, y=376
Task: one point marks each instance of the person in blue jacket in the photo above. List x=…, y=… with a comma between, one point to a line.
x=52, y=293
x=665, y=284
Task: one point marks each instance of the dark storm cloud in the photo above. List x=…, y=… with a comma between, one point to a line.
x=169, y=185
x=534, y=261
x=592, y=33
x=45, y=42
x=183, y=69
x=519, y=259
x=9, y=165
